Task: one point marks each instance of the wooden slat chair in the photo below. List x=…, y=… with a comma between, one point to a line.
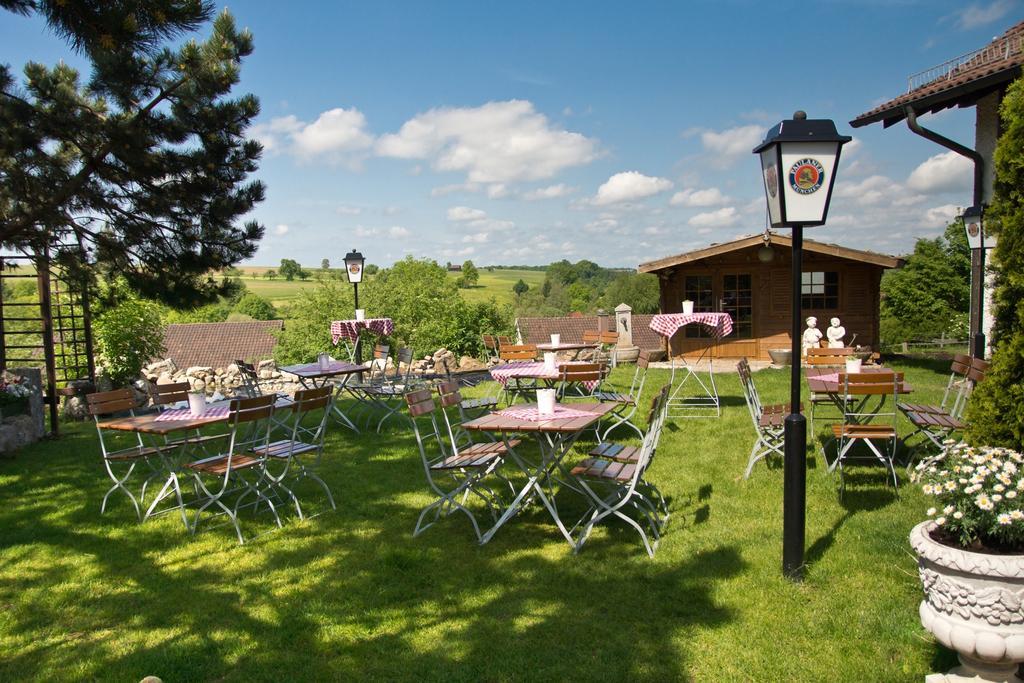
x=580, y=380
x=460, y=440
x=252, y=385
x=868, y=426
x=451, y=474
x=519, y=386
x=249, y=430
x=287, y=458
x=768, y=419
x=490, y=346
x=825, y=357
x=605, y=341
x=357, y=390
x=163, y=397
x=955, y=389
x=631, y=454
x=936, y=425
x=627, y=399
x=120, y=463
x=469, y=408
x=612, y=485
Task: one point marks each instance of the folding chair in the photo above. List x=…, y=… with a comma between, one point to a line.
x=386, y=394
x=936, y=424
x=862, y=424
x=378, y=361
x=626, y=400
x=518, y=386
x=461, y=441
x=490, y=347
x=825, y=357
x=249, y=430
x=451, y=474
x=469, y=408
x=580, y=380
x=768, y=420
x=612, y=485
x=252, y=387
x=306, y=438
x=120, y=463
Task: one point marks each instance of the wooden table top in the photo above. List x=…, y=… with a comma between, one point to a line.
x=148, y=424
x=566, y=346
x=817, y=385
x=313, y=371
x=500, y=423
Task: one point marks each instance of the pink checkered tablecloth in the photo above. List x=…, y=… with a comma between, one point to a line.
x=183, y=414
x=532, y=414
x=530, y=370
x=349, y=329
x=667, y=324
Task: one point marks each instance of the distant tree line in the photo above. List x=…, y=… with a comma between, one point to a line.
x=585, y=287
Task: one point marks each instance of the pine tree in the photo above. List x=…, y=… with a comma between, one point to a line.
x=996, y=409
x=144, y=164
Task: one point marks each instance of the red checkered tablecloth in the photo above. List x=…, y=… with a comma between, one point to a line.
x=532, y=370
x=667, y=324
x=349, y=329
x=182, y=414
x=532, y=414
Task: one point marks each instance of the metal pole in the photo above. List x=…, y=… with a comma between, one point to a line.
x=979, y=293
x=794, y=494
x=359, y=337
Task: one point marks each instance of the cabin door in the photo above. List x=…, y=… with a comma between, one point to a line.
x=736, y=297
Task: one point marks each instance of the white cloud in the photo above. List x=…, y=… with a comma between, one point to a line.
x=711, y=196
x=497, y=191
x=281, y=229
x=337, y=135
x=629, y=186
x=720, y=218
x=730, y=145
x=871, y=190
x=464, y=213
x=455, y=187
x=940, y=216
x=947, y=172
x=549, y=192
x=345, y=210
x=498, y=142
x=477, y=237
x=398, y=231
x=976, y=15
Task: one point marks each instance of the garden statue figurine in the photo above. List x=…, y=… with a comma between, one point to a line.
x=835, y=333
x=812, y=335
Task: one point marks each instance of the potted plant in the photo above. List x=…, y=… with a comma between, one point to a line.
x=14, y=394
x=971, y=559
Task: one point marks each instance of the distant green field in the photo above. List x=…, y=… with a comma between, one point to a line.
x=496, y=284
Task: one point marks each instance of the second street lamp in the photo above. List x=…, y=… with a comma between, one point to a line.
x=354, y=270
x=972, y=219
x=799, y=158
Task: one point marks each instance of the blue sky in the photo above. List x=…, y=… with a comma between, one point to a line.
x=619, y=132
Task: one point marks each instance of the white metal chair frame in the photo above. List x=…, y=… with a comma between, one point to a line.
x=249, y=431
x=306, y=438
x=451, y=475
x=105, y=404
x=768, y=421
x=385, y=396
x=857, y=390
x=628, y=400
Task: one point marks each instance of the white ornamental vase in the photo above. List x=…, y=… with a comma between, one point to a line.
x=974, y=605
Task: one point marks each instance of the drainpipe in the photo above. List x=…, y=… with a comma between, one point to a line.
x=978, y=255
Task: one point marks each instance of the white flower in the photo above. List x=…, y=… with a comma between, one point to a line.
x=951, y=486
x=1017, y=514
x=984, y=502
x=1011, y=494
x=927, y=489
x=948, y=509
x=998, y=488
x=996, y=497
x=940, y=520
x=958, y=515
x=1009, y=468
x=1003, y=519
x=1004, y=478
x=931, y=511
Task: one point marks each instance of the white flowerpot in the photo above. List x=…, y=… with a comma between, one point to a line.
x=687, y=307
x=196, y=403
x=974, y=605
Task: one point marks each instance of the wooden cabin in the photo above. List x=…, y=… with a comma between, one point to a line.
x=750, y=280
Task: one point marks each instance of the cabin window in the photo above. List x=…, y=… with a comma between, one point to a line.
x=820, y=290
x=697, y=288
x=738, y=302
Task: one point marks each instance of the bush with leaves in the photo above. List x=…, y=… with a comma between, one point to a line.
x=256, y=307
x=996, y=408
x=639, y=290
x=128, y=334
x=308, y=329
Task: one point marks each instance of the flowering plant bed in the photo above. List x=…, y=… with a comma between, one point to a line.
x=979, y=496
x=14, y=394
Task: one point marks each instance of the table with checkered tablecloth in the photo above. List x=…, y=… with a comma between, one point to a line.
x=703, y=394
x=350, y=329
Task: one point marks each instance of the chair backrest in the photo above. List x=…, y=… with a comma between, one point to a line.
x=592, y=337
x=306, y=400
x=863, y=384
x=582, y=372
x=750, y=392
x=518, y=352
x=421, y=404
x=608, y=338
x=245, y=410
x=404, y=355
x=109, y=402
x=304, y=431
x=250, y=378
x=504, y=341
x=490, y=343
x=163, y=395
x=449, y=395
x=827, y=356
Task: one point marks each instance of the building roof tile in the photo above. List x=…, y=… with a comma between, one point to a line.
x=219, y=344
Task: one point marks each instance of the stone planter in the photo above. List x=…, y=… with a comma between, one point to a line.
x=781, y=356
x=974, y=605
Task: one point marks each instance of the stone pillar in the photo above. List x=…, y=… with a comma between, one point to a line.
x=624, y=324
x=602, y=320
x=34, y=377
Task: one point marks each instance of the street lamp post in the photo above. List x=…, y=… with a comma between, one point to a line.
x=972, y=219
x=799, y=158
x=354, y=269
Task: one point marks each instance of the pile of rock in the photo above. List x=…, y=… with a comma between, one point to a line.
x=226, y=380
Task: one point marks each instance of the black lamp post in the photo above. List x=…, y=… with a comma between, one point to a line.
x=354, y=269
x=799, y=158
x=972, y=219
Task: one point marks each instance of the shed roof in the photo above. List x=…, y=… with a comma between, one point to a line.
x=220, y=344
x=870, y=257
x=958, y=82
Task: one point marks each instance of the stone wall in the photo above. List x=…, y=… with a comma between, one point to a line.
x=17, y=431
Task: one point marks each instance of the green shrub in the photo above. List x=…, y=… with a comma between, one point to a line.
x=128, y=335
x=308, y=329
x=256, y=307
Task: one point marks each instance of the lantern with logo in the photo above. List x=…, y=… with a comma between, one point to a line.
x=354, y=270
x=799, y=158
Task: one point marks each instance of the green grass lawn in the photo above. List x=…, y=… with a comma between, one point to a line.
x=498, y=284
x=350, y=595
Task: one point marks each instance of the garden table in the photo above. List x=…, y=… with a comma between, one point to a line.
x=705, y=395
x=312, y=376
x=825, y=381
x=349, y=330
x=516, y=371
x=555, y=436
